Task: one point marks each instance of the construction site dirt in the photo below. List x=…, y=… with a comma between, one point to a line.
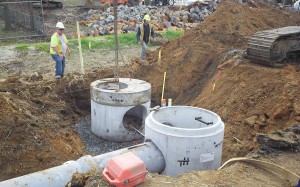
x=205, y=68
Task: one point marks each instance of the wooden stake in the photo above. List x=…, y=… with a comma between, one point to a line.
x=163, y=88
x=80, y=49
x=90, y=45
x=159, y=56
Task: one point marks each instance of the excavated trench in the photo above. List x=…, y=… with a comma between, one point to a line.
x=41, y=122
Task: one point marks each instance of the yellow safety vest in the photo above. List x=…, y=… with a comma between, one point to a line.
x=55, y=41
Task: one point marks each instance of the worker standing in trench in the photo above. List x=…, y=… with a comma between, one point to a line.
x=144, y=33
x=58, y=49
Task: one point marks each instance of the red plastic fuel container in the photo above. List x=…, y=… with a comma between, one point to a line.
x=126, y=170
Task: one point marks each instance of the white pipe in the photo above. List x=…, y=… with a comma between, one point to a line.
x=59, y=176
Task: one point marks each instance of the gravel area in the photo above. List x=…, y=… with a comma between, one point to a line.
x=96, y=145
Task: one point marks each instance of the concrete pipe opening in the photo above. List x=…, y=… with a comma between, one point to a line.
x=134, y=119
x=189, y=138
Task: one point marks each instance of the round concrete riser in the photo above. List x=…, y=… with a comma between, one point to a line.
x=186, y=143
x=107, y=121
x=109, y=106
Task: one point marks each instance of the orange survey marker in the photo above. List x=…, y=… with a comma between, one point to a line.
x=126, y=170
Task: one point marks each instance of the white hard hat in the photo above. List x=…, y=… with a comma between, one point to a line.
x=60, y=25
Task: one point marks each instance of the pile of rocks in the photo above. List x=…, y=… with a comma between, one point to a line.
x=101, y=21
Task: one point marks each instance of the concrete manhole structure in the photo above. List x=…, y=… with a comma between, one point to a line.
x=119, y=109
x=178, y=139
x=189, y=138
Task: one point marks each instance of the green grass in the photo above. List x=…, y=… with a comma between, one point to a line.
x=101, y=42
x=42, y=46
x=172, y=35
x=125, y=40
x=107, y=42
x=39, y=46
x=22, y=46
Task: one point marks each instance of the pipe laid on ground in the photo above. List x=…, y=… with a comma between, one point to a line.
x=59, y=176
x=147, y=152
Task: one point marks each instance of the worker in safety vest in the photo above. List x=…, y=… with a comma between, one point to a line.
x=58, y=49
x=145, y=31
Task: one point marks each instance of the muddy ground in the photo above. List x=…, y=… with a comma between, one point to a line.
x=238, y=174
x=35, y=62
x=38, y=114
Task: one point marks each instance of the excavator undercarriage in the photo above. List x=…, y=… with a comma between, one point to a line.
x=276, y=47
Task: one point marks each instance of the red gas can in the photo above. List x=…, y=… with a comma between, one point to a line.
x=126, y=170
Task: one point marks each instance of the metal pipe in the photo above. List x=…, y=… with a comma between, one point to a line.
x=59, y=176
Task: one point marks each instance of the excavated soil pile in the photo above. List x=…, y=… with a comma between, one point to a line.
x=192, y=59
x=250, y=98
x=37, y=121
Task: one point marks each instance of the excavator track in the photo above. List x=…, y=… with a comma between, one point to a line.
x=276, y=47
x=51, y=4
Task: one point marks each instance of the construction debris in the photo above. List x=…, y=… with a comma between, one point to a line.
x=163, y=18
x=286, y=139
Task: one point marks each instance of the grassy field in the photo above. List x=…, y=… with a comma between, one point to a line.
x=100, y=42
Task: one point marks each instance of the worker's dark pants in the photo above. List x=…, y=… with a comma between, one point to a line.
x=59, y=65
x=144, y=50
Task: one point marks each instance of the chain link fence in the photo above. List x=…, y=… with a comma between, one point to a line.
x=21, y=19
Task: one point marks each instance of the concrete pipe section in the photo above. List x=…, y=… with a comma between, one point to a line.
x=60, y=176
x=119, y=109
x=189, y=138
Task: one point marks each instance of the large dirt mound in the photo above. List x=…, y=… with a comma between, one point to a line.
x=266, y=97
x=193, y=58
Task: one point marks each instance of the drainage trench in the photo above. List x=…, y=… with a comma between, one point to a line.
x=177, y=139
